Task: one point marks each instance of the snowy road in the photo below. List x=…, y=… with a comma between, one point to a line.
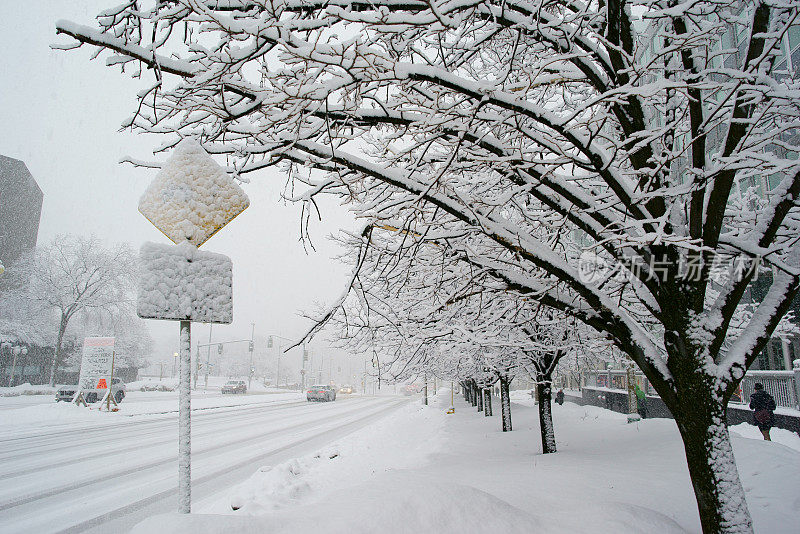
x=109, y=477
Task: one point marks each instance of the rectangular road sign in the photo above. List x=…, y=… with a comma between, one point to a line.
x=96, y=362
x=182, y=283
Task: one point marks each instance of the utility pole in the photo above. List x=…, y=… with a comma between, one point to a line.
x=252, y=334
x=278, y=369
x=208, y=356
x=196, y=367
x=303, y=370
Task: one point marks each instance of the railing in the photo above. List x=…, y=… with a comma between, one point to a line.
x=784, y=386
x=780, y=384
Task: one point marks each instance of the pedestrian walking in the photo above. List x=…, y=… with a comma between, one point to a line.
x=560, y=397
x=763, y=406
x=641, y=401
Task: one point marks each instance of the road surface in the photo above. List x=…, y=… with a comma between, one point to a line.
x=107, y=478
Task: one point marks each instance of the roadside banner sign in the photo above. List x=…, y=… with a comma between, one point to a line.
x=96, y=362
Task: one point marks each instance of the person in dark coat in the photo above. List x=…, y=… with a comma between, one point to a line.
x=560, y=397
x=763, y=406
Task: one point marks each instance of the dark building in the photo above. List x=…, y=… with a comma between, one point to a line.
x=20, y=209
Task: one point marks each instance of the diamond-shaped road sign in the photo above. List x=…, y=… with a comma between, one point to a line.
x=192, y=197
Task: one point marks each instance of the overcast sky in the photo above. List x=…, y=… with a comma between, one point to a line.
x=60, y=114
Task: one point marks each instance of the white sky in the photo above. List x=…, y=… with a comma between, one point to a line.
x=60, y=114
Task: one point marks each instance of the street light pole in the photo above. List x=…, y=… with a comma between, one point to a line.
x=252, y=334
x=208, y=356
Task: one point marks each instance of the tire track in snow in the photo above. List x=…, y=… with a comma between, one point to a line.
x=210, y=477
x=199, y=429
x=171, y=458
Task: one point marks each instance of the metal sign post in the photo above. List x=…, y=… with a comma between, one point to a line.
x=184, y=422
x=109, y=399
x=190, y=200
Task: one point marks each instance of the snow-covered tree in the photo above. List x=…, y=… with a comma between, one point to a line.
x=638, y=129
x=74, y=275
x=133, y=343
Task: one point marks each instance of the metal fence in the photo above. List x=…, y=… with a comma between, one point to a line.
x=780, y=384
x=784, y=386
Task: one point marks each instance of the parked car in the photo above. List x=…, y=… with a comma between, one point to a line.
x=346, y=389
x=321, y=393
x=67, y=393
x=234, y=386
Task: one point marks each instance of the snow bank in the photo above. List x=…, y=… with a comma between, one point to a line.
x=778, y=435
x=608, y=476
x=27, y=389
x=181, y=282
x=403, y=442
x=166, y=384
x=395, y=502
x=50, y=415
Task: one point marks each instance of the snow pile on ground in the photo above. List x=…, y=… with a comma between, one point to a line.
x=27, y=389
x=191, y=197
x=402, y=442
x=49, y=414
x=52, y=413
x=608, y=476
x=182, y=282
x=777, y=435
x=166, y=384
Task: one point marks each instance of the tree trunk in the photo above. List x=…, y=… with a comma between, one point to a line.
x=712, y=467
x=62, y=327
x=479, y=397
x=505, y=403
x=544, y=390
x=487, y=402
x=473, y=392
x=13, y=368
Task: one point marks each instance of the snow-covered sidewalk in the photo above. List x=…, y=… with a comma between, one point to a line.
x=425, y=471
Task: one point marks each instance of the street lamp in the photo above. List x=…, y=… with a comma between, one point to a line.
x=174, y=361
x=271, y=342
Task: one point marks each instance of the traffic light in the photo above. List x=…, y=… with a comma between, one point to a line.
x=251, y=346
x=219, y=348
x=305, y=355
x=269, y=342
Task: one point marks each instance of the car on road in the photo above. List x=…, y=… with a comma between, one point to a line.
x=67, y=393
x=234, y=386
x=346, y=390
x=321, y=393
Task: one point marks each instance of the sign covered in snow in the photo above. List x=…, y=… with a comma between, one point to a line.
x=179, y=282
x=96, y=362
x=192, y=197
